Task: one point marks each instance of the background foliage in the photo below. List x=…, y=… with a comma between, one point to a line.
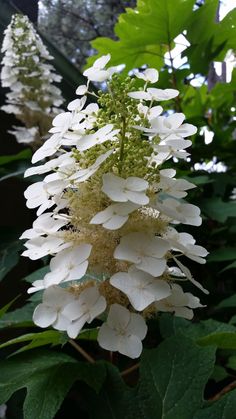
x=188, y=368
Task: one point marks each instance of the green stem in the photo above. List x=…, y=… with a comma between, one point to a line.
x=122, y=143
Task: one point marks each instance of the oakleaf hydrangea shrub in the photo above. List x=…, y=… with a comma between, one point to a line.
x=26, y=71
x=108, y=210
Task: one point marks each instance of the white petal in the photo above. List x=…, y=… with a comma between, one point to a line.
x=175, y=120
x=140, y=95
x=130, y=346
x=150, y=74
x=102, y=216
x=184, y=312
x=44, y=316
x=74, y=310
x=160, y=94
x=108, y=338
x=76, y=104
x=118, y=317
x=153, y=266
x=137, y=197
x=81, y=90
x=56, y=297
x=138, y=326
x=116, y=222
x=61, y=323
x=101, y=62
x=74, y=328
x=94, y=74
x=136, y=184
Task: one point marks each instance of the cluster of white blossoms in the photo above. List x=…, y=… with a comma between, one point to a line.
x=25, y=70
x=107, y=212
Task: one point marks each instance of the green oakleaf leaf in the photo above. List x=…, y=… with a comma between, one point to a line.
x=5, y=308
x=218, y=210
x=172, y=380
x=223, y=340
x=21, y=317
x=226, y=253
x=36, y=275
x=22, y=155
x=145, y=33
x=224, y=408
x=48, y=376
x=171, y=325
x=9, y=256
x=227, y=302
x=48, y=337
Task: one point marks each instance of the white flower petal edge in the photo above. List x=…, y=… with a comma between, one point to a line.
x=89, y=305
x=114, y=216
x=123, y=190
x=146, y=251
x=123, y=332
x=49, y=312
x=68, y=265
x=179, y=303
x=141, y=288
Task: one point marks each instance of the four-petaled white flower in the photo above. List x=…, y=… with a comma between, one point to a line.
x=180, y=303
x=68, y=265
x=77, y=104
x=98, y=72
x=39, y=247
x=37, y=196
x=141, y=288
x=84, y=174
x=149, y=113
x=114, y=216
x=123, y=332
x=154, y=94
x=44, y=224
x=147, y=252
x=122, y=190
x=185, y=243
x=89, y=305
x=149, y=75
x=49, y=312
x=170, y=127
x=171, y=186
x=167, y=149
x=179, y=212
x=105, y=133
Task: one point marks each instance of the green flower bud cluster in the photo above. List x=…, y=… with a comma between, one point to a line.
x=131, y=149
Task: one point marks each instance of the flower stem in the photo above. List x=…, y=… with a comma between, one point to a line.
x=224, y=391
x=81, y=351
x=122, y=143
x=130, y=369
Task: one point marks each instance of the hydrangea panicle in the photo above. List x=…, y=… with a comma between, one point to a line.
x=26, y=70
x=108, y=205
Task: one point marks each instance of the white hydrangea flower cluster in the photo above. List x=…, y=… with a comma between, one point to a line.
x=33, y=98
x=112, y=213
